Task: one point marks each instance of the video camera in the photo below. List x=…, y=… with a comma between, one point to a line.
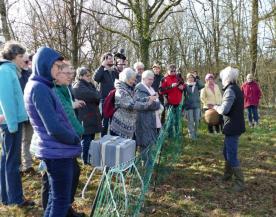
x=120, y=55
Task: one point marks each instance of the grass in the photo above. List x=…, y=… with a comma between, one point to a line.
x=192, y=186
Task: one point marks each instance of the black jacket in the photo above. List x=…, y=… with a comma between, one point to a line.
x=25, y=74
x=234, y=123
x=106, y=80
x=88, y=115
x=156, y=83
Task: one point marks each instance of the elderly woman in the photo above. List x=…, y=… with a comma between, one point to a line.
x=148, y=119
x=210, y=95
x=89, y=115
x=12, y=116
x=124, y=119
x=252, y=94
x=234, y=125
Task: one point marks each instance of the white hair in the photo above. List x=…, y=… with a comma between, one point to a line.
x=228, y=75
x=147, y=74
x=137, y=64
x=127, y=74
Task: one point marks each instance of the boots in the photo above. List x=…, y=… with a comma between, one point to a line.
x=239, y=180
x=228, y=172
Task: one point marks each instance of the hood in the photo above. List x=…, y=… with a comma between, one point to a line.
x=43, y=61
x=4, y=61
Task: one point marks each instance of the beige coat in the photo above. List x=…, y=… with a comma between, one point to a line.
x=207, y=96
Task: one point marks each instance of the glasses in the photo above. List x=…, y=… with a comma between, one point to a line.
x=67, y=73
x=58, y=65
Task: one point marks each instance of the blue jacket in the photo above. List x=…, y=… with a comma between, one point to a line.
x=53, y=137
x=11, y=96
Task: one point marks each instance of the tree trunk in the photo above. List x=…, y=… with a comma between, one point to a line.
x=5, y=26
x=254, y=37
x=144, y=51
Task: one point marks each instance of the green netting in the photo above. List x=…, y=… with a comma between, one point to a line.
x=122, y=189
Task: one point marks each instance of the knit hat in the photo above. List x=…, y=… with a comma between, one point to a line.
x=81, y=71
x=208, y=76
x=249, y=76
x=229, y=74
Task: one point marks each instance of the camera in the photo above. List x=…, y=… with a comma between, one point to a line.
x=120, y=54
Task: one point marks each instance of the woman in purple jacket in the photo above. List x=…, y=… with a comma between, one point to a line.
x=54, y=140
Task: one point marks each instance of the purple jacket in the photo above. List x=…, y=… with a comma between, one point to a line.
x=54, y=137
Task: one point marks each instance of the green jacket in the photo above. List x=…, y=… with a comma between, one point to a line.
x=65, y=99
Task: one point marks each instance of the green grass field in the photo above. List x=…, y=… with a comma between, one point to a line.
x=191, y=186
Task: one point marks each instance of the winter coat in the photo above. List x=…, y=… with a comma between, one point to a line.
x=192, y=95
x=106, y=80
x=208, y=97
x=65, y=99
x=88, y=115
x=11, y=96
x=174, y=94
x=146, y=131
x=252, y=93
x=156, y=82
x=25, y=74
x=54, y=137
x=232, y=110
x=124, y=119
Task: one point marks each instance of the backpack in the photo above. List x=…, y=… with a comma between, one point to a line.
x=109, y=104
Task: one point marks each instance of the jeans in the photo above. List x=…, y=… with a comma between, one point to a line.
x=10, y=181
x=60, y=177
x=27, y=132
x=85, y=144
x=253, y=111
x=193, y=116
x=45, y=184
x=230, y=150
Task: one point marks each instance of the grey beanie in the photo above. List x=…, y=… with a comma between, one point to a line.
x=81, y=71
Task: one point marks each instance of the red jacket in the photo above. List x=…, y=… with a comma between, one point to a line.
x=252, y=93
x=174, y=94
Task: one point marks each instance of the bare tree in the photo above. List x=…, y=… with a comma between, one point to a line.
x=254, y=36
x=143, y=17
x=4, y=21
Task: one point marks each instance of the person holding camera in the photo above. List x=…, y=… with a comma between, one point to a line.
x=120, y=61
x=172, y=86
x=192, y=103
x=105, y=75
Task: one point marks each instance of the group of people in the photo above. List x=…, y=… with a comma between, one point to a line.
x=58, y=109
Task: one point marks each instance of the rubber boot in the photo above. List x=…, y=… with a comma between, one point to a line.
x=239, y=180
x=228, y=172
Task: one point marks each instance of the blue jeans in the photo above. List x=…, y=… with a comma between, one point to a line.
x=230, y=150
x=45, y=185
x=193, y=116
x=10, y=181
x=85, y=144
x=253, y=111
x=60, y=176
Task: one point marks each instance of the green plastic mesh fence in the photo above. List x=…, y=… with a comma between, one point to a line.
x=122, y=188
